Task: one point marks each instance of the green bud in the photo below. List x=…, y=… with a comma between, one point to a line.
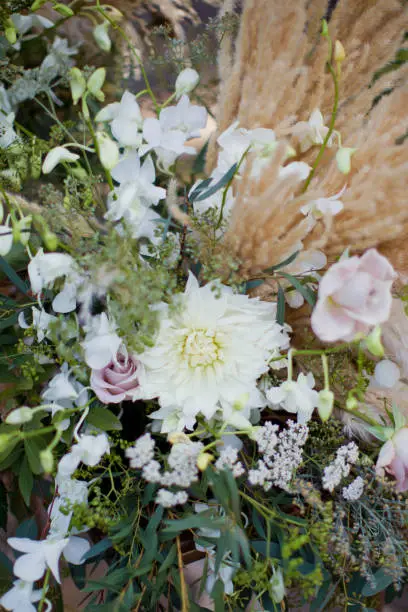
x=373, y=342
x=7, y=441
x=37, y=4
x=20, y=233
x=77, y=84
x=351, y=403
x=325, y=404
x=325, y=28
x=47, y=460
x=50, y=240
x=277, y=586
x=85, y=109
x=95, y=83
x=343, y=159
x=63, y=10
x=101, y=36
x=79, y=173
x=10, y=32
x=20, y=416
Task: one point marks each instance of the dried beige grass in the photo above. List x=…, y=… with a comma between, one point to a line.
x=278, y=77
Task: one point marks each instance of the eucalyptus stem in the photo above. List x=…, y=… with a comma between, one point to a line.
x=25, y=435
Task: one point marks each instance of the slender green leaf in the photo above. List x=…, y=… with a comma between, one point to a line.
x=97, y=549
x=283, y=263
x=13, y=276
x=218, y=185
x=280, y=309
x=200, y=187
x=33, y=447
x=25, y=481
x=307, y=293
x=199, y=162
x=382, y=579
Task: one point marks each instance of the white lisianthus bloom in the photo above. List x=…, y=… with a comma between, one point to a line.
x=210, y=352
x=126, y=120
x=21, y=597
x=57, y=156
x=312, y=132
x=296, y=397
x=43, y=554
x=101, y=343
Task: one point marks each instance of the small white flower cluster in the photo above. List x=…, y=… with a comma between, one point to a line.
x=228, y=460
x=346, y=456
x=182, y=460
x=354, y=490
x=282, y=455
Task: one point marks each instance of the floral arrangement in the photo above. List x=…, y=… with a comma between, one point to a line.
x=168, y=418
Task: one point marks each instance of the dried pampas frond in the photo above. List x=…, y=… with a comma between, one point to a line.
x=278, y=77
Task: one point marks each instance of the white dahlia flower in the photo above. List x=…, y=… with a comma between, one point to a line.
x=209, y=353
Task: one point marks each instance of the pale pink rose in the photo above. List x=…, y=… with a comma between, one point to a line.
x=393, y=459
x=354, y=295
x=119, y=380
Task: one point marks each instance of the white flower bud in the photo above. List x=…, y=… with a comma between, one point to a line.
x=55, y=157
x=277, y=586
x=325, y=404
x=6, y=240
x=386, y=374
x=177, y=437
x=77, y=84
x=95, y=83
x=101, y=36
x=186, y=81
x=108, y=150
x=343, y=159
x=20, y=233
x=339, y=52
x=20, y=416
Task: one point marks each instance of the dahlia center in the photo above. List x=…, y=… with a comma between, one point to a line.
x=201, y=348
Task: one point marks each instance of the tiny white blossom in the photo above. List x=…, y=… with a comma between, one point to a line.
x=142, y=452
x=167, y=499
x=228, y=460
x=346, y=456
x=354, y=490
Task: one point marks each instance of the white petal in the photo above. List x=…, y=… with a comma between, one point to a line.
x=6, y=240
x=76, y=549
x=29, y=567
x=52, y=553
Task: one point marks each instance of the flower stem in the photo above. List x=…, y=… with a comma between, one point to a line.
x=331, y=125
x=44, y=590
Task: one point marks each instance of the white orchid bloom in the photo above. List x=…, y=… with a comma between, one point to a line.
x=43, y=554
x=24, y=23
x=312, y=132
x=184, y=117
x=101, y=343
x=41, y=322
x=89, y=450
x=57, y=156
x=21, y=597
x=59, y=57
x=63, y=392
x=324, y=206
x=45, y=268
x=295, y=397
x=300, y=170
x=125, y=118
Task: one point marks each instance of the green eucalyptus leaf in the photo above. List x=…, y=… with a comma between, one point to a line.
x=304, y=290
x=283, y=263
x=280, y=309
x=25, y=480
x=228, y=176
x=102, y=418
